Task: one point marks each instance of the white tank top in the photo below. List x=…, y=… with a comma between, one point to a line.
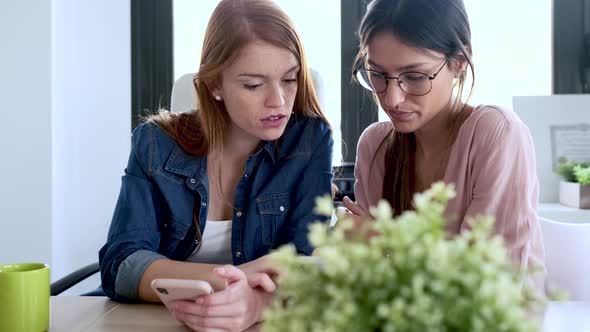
x=215, y=247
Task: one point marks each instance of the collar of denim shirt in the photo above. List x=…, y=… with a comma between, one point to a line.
x=187, y=165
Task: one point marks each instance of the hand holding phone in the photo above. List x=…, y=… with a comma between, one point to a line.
x=169, y=290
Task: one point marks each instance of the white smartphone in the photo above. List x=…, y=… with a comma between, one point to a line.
x=180, y=289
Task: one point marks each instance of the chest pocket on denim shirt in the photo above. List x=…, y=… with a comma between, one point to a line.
x=173, y=231
x=273, y=210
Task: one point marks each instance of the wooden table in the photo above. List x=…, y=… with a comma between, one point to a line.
x=99, y=314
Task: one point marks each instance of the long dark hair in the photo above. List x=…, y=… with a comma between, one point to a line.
x=441, y=26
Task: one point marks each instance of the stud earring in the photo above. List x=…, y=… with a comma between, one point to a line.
x=218, y=98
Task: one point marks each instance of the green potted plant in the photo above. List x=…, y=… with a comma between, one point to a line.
x=574, y=187
x=409, y=276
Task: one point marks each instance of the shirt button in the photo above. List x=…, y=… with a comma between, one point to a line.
x=238, y=254
x=239, y=214
x=193, y=181
x=282, y=208
x=203, y=204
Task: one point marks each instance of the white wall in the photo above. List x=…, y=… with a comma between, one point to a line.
x=511, y=57
x=91, y=122
x=539, y=113
x=25, y=134
x=65, y=87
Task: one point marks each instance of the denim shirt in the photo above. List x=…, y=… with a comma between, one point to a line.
x=162, y=185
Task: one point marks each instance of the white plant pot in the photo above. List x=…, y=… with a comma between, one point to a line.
x=574, y=195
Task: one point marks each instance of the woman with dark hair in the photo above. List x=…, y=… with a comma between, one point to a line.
x=207, y=194
x=415, y=57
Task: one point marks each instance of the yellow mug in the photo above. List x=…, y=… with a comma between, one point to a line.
x=24, y=297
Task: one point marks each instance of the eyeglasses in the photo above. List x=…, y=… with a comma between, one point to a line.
x=412, y=82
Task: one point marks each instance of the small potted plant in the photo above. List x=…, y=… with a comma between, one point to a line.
x=408, y=277
x=574, y=187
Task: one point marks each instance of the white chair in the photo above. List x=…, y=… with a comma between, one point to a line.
x=184, y=96
x=567, y=257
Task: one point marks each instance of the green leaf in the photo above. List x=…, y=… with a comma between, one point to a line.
x=565, y=169
x=582, y=174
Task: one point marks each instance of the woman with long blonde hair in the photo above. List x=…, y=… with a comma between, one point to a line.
x=207, y=194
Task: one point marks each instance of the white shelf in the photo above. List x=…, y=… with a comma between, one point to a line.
x=562, y=213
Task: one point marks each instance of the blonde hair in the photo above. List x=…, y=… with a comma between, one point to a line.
x=233, y=25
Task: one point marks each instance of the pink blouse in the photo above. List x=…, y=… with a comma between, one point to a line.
x=492, y=164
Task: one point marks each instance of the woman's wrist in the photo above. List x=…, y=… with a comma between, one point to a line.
x=264, y=300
